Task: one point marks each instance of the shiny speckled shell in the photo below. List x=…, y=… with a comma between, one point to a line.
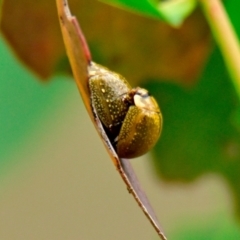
x=107, y=90
x=139, y=132
x=134, y=129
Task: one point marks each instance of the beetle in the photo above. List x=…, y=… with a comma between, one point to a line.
x=131, y=116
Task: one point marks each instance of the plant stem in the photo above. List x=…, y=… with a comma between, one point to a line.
x=225, y=37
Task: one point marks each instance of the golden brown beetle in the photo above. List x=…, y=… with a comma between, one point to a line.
x=131, y=117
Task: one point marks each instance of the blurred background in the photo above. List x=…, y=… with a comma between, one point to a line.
x=57, y=181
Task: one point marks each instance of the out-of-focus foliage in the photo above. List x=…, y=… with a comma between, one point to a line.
x=232, y=9
x=173, y=12
x=27, y=107
x=31, y=29
x=21, y=94
x=201, y=127
x=214, y=229
x=133, y=45
x=201, y=124
x=199, y=133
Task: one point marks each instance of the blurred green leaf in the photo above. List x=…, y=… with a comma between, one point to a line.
x=173, y=12
x=24, y=103
x=122, y=41
x=144, y=7
x=232, y=8
x=197, y=123
x=220, y=228
x=201, y=131
x=198, y=133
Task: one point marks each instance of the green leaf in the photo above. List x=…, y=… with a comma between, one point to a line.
x=201, y=131
x=232, y=8
x=176, y=11
x=198, y=133
x=24, y=102
x=125, y=48
x=144, y=7
x=196, y=122
x=221, y=227
x=173, y=12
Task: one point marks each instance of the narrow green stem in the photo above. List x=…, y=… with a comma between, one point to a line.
x=225, y=37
